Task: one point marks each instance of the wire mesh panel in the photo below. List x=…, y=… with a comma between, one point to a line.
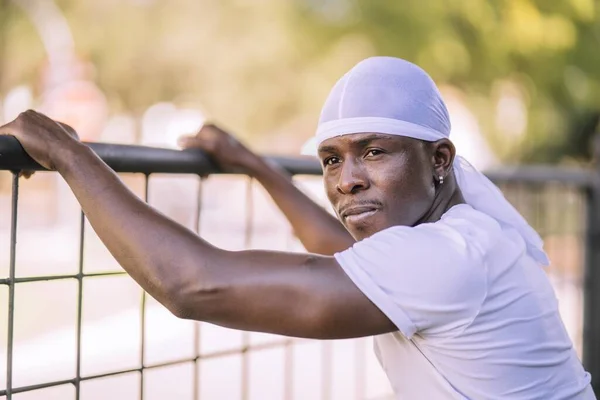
x=557, y=211
x=85, y=331
x=78, y=327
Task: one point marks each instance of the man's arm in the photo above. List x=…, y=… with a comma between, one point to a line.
x=319, y=231
x=303, y=295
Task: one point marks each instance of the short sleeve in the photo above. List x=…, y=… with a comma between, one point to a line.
x=429, y=279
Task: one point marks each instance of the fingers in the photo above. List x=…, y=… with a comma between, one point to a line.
x=189, y=142
x=200, y=141
x=26, y=174
x=7, y=129
x=212, y=140
x=68, y=129
x=15, y=126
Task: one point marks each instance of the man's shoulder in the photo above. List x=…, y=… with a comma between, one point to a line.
x=477, y=229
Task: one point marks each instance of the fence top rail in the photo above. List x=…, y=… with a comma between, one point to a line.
x=540, y=174
x=150, y=160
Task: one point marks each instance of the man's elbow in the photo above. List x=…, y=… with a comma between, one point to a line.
x=195, y=291
x=180, y=309
x=326, y=248
x=197, y=303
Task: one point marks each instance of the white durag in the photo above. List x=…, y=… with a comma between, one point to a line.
x=395, y=97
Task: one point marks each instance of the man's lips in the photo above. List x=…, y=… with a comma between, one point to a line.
x=355, y=210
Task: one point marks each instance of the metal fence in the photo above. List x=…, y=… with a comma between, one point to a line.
x=562, y=204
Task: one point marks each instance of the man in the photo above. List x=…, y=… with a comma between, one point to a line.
x=445, y=272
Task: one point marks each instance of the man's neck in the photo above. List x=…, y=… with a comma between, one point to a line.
x=447, y=197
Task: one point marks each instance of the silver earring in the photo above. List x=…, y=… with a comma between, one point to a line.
x=441, y=180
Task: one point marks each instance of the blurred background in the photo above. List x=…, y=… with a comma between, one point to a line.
x=522, y=74
x=521, y=79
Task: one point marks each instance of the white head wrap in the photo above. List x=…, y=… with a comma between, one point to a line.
x=393, y=96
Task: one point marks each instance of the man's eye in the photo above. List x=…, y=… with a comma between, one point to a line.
x=374, y=152
x=331, y=161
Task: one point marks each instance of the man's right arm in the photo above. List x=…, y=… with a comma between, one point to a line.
x=319, y=231
x=294, y=294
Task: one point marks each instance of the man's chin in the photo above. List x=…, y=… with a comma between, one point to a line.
x=369, y=228
x=364, y=231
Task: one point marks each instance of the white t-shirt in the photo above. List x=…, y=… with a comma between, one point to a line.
x=477, y=317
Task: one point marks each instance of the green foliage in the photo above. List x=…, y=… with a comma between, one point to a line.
x=266, y=66
x=547, y=49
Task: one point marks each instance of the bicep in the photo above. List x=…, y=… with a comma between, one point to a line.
x=302, y=295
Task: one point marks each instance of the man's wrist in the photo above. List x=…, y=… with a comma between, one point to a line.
x=270, y=175
x=256, y=167
x=68, y=157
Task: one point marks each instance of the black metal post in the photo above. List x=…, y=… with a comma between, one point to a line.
x=197, y=338
x=79, y=305
x=591, y=308
x=143, y=309
x=11, y=285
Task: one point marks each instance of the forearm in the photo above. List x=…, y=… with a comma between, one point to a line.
x=319, y=231
x=285, y=293
x=153, y=249
x=296, y=294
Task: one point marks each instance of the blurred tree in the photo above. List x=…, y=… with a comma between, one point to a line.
x=266, y=66
x=3, y=24
x=547, y=50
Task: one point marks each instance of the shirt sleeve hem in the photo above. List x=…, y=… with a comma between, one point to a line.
x=374, y=293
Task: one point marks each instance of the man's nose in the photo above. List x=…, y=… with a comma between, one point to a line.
x=353, y=178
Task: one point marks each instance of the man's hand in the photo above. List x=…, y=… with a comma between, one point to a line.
x=44, y=139
x=318, y=230
x=223, y=148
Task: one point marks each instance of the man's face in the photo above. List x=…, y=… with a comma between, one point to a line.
x=376, y=181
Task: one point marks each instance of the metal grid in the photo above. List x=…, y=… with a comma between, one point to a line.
x=557, y=211
x=538, y=194
x=286, y=343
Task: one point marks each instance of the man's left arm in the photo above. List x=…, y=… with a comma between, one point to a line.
x=302, y=295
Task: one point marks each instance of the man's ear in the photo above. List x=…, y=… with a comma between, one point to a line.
x=442, y=157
